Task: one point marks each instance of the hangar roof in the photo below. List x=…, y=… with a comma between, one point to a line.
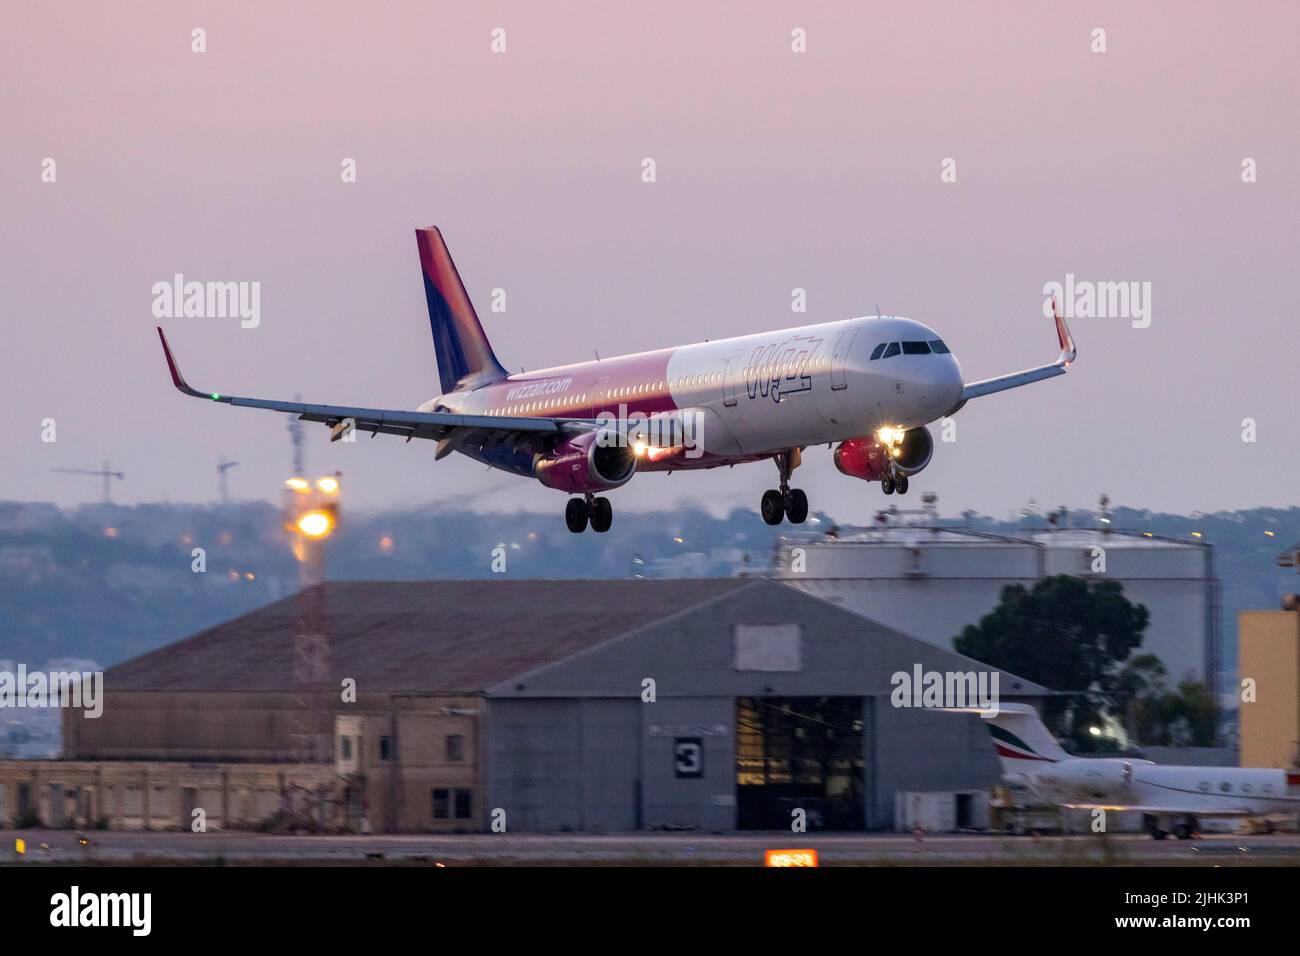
x=426, y=636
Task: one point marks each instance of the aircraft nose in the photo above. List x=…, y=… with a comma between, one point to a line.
x=940, y=382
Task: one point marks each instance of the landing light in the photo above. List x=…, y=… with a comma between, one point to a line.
x=639, y=449
x=298, y=484
x=890, y=436
x=328, y=485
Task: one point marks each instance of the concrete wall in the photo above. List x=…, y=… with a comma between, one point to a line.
x=396, y=782
x=1270, y=656
x=138, y=795
x=914, y=749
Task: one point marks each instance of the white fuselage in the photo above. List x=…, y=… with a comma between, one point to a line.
x=757, y=394
x=1140, y=784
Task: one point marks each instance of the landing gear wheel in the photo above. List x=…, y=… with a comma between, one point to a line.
x=887, y=485
x=900, y=484
x=602, y=515
x=772, y=506
x=575, y=515
x=796, y=506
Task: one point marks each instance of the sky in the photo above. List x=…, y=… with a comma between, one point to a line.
x=821, y=170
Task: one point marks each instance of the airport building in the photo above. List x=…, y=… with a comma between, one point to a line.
x=713, y=704
x=931, y=581
x=1269, y=658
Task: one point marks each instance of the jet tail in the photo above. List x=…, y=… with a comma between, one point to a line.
x=1021, y=739
x=465, y=358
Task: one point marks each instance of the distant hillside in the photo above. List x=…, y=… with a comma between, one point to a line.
x=107, y=582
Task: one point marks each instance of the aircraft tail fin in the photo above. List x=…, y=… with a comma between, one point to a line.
x=465, y=358
x=1021, y=739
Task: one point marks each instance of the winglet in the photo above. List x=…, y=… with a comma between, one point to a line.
x=179, y=380
x=1068, y=352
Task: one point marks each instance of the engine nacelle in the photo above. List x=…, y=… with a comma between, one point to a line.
x=863, y=458
x=1085, y=780
x=591, y=462
x=868, y=458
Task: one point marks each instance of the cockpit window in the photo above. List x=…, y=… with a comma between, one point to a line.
x=875, y=353
x=891, y=351
x=916, y=348
x=938, y=346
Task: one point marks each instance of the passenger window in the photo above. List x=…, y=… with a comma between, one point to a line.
x=877, y=351
x=938, y=346
x=891, y=350
x=916, y=348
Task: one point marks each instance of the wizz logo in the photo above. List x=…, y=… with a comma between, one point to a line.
x=781, y=369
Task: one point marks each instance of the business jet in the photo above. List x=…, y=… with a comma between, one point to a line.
x=867, y=385
x=1171, y=799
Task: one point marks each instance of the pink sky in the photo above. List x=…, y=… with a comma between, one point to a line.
x=776, y=170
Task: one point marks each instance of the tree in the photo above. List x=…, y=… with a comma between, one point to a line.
x=1187, y=717
x=1065, y=633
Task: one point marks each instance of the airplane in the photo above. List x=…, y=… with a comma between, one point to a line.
x=868, y=385
x=1170, y=798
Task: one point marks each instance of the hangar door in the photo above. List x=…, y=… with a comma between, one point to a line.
x=799, y=753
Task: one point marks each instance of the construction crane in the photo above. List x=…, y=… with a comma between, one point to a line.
x=105, y=473
x=222, y=467
x=296, y=437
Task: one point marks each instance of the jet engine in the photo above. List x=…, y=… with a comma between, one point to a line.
x=1086, y=780
x=591, y=462
x=868, y=457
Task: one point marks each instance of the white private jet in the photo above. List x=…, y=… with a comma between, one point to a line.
x=1170, y=798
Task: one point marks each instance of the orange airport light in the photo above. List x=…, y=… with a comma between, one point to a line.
x=790, y=858
x=316, y=524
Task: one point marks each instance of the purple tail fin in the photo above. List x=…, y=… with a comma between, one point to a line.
x=465, y=358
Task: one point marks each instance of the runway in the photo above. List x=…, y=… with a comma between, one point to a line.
x=639, y=849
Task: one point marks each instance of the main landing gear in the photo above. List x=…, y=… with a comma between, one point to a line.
x=1160, y=826
x=787, y=502
x=891, y=483
x=579, y=511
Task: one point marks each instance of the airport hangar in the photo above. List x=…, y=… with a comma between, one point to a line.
x=525, y=697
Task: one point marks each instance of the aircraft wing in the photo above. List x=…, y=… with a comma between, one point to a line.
x=1003, y=382
x=448, y=429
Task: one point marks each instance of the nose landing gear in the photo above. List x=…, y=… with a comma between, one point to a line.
x=579, y=511
x=786, y=502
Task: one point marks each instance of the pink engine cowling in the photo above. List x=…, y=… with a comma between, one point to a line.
x=591, y=462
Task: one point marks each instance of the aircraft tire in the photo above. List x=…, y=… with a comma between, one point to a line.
x=796, y=506
x=575, y=515
x=772, y=507
x=602, y=515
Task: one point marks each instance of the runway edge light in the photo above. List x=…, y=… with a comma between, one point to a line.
x=787, y=858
